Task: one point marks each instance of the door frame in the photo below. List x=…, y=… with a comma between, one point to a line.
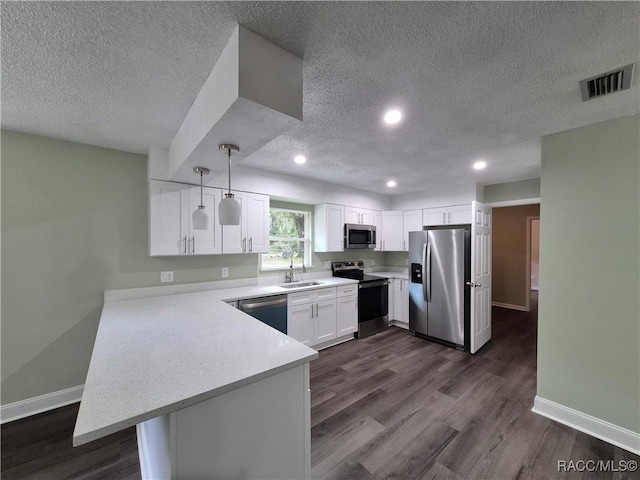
x=519, y=203
x=528, y=255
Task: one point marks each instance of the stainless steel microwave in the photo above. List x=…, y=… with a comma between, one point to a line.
x=359, y=236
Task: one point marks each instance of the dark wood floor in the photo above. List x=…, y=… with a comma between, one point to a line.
x=388, y=406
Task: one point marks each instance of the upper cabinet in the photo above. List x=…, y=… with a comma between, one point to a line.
x=252, y=235
x=170, y=229
x=412, y=222
x=377, y=221
x=391, y=233
x=451, y=215
x=328, y=232
x=359, y=216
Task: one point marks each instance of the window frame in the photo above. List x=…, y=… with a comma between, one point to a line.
x=307, y=260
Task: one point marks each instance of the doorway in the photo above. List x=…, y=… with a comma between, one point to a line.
x=515, y=248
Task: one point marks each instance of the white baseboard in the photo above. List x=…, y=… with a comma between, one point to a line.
x=43, y=403
x=520, y=308
x=613, y=434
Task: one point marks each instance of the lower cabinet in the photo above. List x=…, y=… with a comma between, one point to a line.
x=400, y=292
x=299, y=323
x=347, y=310
x=319, y=316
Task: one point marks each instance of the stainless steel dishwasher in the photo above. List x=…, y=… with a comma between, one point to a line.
x=270, y=310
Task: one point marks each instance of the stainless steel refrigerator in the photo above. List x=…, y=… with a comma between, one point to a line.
x=440, y=269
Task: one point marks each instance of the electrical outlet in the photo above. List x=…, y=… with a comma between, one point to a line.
x=225, y=272
x=166, y=277
x=406, y=262
x=373, y=263
x=327, y=265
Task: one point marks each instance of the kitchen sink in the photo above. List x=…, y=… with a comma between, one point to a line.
x=300, y=284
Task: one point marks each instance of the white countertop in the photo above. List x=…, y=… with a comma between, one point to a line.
x=156, y=355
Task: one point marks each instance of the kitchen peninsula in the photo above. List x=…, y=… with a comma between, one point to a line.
x=214, y=392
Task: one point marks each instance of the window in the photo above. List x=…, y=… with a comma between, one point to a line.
x=289, y=237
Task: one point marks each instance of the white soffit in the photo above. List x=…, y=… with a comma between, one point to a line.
x=253, y=94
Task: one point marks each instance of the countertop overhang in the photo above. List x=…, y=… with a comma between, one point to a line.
x=156, y=355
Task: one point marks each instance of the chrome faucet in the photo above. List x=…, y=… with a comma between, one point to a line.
x=288, y=277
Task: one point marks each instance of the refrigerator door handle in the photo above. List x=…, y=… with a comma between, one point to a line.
x=426, y=272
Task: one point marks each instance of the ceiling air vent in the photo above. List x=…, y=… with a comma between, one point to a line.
x=606, y=83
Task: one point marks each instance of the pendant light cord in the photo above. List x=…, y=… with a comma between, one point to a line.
x=201, y=202
x=229, y=151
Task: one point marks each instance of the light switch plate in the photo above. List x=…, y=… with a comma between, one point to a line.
x=327, y=265
x=166, y=277
x=225, y=272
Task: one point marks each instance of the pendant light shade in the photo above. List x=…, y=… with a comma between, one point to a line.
x=200, y=217
x=229, y=209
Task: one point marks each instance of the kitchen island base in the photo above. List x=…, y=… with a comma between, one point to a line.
x=261, y=431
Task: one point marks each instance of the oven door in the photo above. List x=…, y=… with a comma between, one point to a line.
x=373, y=300
x=359, y=236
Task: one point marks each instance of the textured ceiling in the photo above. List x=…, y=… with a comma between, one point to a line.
x=474, y=80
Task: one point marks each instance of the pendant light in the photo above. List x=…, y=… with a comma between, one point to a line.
x=200, y=218
x=229, y=208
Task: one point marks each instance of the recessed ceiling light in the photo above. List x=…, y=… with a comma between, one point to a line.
x=391, y=183
x=392, y=117
x=479, y=165
x=300, y=159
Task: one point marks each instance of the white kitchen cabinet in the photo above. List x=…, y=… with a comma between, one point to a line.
x=412, y=222
x=252, y=234
x=346, y=310
x=328, y=232
x=318, y=316
x=391, y=234
x=299, y=325
x=170, y=222
x=358, y=215
x=324, y=321
x=399, y=306
x=449, y=215
x=377, y=221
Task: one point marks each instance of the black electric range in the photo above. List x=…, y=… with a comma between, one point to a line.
x=373, y=296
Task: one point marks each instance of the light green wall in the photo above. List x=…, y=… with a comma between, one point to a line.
x=74, y=223
x=589, y=310
x=522, y=189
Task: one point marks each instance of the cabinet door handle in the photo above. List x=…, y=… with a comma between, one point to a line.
x=312, y=310
x=449, y=216
x=244, y=244
x=316, y=309
x=250, y=244
x=404, y=245
x=444, y=217
x=193, y=244
x=184, y=251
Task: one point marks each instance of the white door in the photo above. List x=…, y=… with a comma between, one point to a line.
x=299, y=326
x=480, y=276
x=398, y=305
x=435, y=216
x=346, y=315
x=412, y=222
x=405, y=301
x=377, y=221
x=324, y=321
x=351, y=215
x=257, y=223
x=234, y=237
x=168, y=223
x=204, y=242
x=459, y=214
x=366, y=217
x=392, y=231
